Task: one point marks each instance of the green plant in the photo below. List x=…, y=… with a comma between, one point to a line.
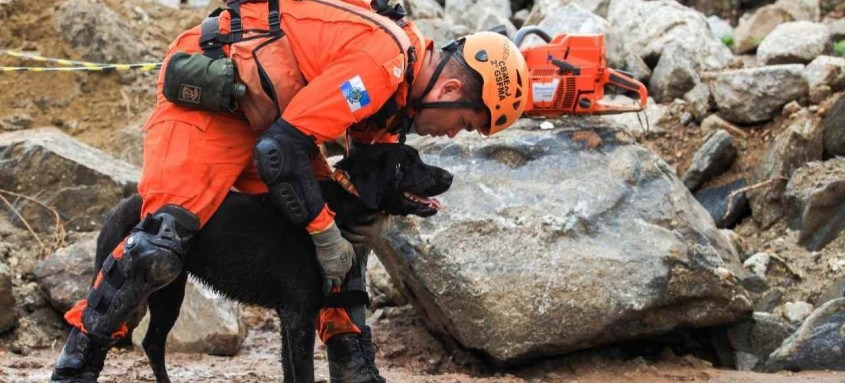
x=839, y=48
x=728, y=40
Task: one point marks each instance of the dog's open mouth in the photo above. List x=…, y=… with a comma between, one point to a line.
x=432, y=202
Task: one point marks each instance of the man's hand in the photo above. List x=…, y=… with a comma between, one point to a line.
x=335, y=255
x=365, y=231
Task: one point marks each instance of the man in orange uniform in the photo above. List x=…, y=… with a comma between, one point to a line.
x=358, y=76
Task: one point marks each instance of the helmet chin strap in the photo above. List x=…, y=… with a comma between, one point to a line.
x=418, y=105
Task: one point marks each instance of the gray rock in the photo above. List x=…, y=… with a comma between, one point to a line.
x=769, y=301
x=803, y=10
x=128, y=142
x=635, y=123
x=439, y=30
x=717, y=201
x=383, y=292
x=511, y=249
x=473, y=13
x=721, y=28
x=567, y=18
x=819, y=94
x=82, y=183
x=795, y=146
x=424, y=9
x=796, y=312
x=826, y=70
x=98, y=34
x=714, y=123
x=753, y=29
x=207, y=324
x=65, y=276
x=836, y=290
x=758, y=264
x=796, y=42
x=816, y=198
x=490, y=18
x=748, y=96
x=758, y=337
x=675, y=74
x=833, y=129
x=8, y=315
x=714, y=157
x=836, y=27
x=17, y=121
x=817, y=344
x=645, y=28
x=636, y=66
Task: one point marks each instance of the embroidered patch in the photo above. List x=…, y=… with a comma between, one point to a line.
x=355, y=93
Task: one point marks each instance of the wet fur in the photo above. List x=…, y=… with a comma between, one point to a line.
x=249, y=253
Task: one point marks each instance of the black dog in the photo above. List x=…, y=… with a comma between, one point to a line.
x=248, y=252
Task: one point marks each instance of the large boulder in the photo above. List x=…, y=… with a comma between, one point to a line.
x=424, y=9
x=802, y=10
x=817, y=344
x=570, y=227
x=833, y=129
x=98, y=34
x=796, y=42
x=714, y=157
x=645, y=28
x=65, y=276
x=207, y=324
x=8, y=315
x=799, y=143
x=747, y=96
x=816, y=197
x=80, y=182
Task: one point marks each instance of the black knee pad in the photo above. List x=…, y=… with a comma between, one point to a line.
x=282, y=156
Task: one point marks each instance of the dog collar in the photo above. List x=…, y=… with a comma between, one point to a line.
x=342, y=177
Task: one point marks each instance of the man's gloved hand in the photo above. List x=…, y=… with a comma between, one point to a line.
x=335, y=255
x=367, y=229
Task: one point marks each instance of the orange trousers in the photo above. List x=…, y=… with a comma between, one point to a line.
x=194, y=165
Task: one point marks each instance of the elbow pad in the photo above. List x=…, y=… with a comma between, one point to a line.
x=282, y=157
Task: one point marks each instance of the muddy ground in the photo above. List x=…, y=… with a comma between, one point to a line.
x=408, y=354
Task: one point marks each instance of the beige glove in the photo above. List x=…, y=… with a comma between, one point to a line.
x=335, y=255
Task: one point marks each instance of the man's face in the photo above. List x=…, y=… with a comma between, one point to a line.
x=449, y=122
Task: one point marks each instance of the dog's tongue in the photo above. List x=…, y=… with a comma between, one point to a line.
x=432, y=203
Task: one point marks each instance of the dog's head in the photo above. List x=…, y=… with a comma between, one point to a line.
x=394, y=179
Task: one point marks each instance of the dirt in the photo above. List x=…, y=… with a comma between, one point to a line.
x=94, y=107
x=408, y=354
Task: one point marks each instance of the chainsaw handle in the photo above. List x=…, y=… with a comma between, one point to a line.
x=523, y=32
x=624, y=81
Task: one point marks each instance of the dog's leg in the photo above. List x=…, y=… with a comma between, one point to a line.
x=164, y=307
x=298, y=345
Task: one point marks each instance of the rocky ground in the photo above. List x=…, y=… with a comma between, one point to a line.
x=752, y=98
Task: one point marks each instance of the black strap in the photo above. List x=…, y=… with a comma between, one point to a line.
x=347, y=299
x=209, y=43
x=273, y=17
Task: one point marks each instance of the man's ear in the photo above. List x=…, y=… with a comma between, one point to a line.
x=450, y=90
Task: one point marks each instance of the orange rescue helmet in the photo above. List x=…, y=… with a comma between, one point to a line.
x=504, y=74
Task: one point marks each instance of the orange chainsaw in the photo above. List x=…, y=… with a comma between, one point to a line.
x=569, y=73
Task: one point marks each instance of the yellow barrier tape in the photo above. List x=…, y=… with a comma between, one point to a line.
x=72, y=65
x=104, y=68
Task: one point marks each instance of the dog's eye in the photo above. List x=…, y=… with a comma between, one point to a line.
x=398, y=175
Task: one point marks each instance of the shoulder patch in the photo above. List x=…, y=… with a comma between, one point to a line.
x=355, y=93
